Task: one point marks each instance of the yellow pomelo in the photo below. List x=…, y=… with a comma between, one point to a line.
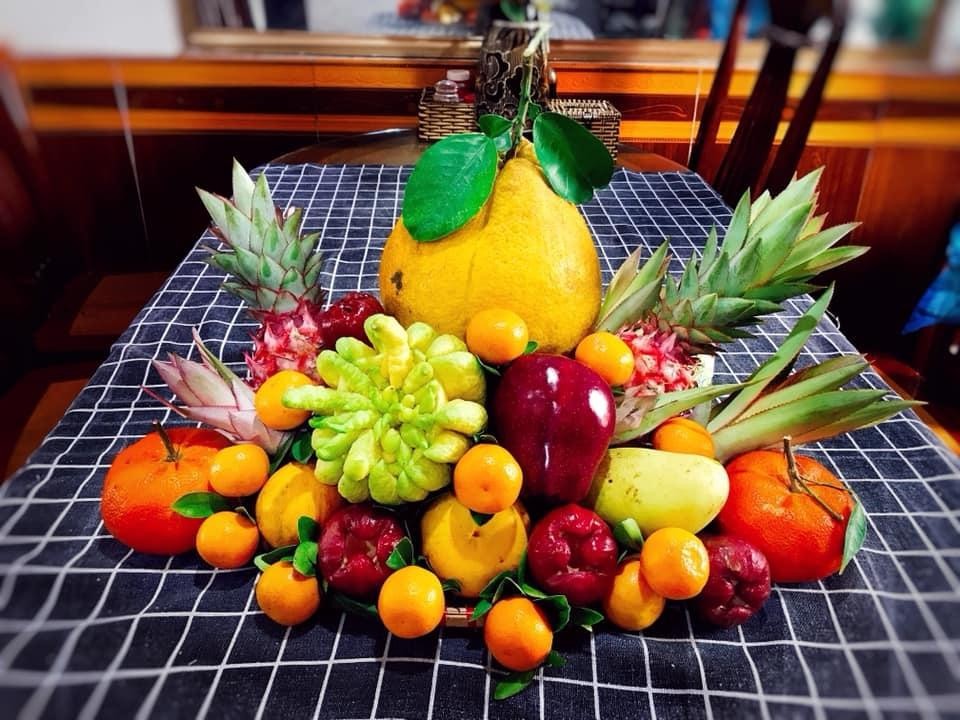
x=527, y=250
x=291, y=492
x=459, y=549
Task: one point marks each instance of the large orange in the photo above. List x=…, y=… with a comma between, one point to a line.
x=145, y=479
x=800, y=539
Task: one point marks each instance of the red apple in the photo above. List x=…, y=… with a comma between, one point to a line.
x=556, y=416
x=572, y=552
x=354, y=546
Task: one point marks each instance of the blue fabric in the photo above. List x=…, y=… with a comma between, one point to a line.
x=940, y=303
x=91, y=629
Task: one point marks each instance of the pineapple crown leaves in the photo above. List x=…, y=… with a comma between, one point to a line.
x=809, y=405
x=272, y=266
x=772, y=248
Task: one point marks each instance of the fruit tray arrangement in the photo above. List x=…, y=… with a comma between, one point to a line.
x=495, y=441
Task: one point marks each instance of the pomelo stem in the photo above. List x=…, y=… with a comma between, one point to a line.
x=799, y=484
x=527, y=82
x=172, y=454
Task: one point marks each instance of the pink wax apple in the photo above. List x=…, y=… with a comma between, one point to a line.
x=572, y=552
x=556, y=416
x=354, y=546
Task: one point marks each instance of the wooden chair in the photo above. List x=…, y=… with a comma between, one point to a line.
x=747, y=155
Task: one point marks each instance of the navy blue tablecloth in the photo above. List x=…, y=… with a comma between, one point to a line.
x=89, y=628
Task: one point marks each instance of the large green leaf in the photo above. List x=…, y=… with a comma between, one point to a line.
x=450, y=183
x=573, y=159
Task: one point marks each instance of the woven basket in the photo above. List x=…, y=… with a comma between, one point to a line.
x=598, y=116
x=436, y=120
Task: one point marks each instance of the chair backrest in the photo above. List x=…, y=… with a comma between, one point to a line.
x=747, y=155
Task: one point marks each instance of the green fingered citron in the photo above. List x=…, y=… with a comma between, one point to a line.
x=395, y=413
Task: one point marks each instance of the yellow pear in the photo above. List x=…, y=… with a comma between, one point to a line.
x=459, y=549
x=290, y=493
x=527, y=250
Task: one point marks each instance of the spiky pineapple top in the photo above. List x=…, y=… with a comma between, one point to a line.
x=273, y=267
x=771, y=250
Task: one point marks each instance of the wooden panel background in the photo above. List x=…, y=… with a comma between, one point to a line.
x=125, y=141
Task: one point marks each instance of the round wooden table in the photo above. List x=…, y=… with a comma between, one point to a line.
x=401, y=147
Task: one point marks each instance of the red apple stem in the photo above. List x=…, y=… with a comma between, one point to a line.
x=172, y=454
x=799, y=484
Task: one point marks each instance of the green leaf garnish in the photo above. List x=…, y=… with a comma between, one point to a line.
x=480, y=609
x=491, y=587
x=628, y=534
x=280, y=456
x=401, y=555
x=489, y=368
x=301, y=448
x=512, y=684
x=451, y=585
x=307, y=528
x=305, y=558
x=585, y=617
x=265, y=560
x=573, y=159
x=200, y=504
x=854, y=535
x=356, y=607
x=531, y=347
x=555, y=659
x=558, y=607
x=450, y=183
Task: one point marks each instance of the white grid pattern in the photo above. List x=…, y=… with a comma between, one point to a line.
x=90, y=629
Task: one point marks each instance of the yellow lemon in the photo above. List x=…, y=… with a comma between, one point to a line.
x=527, y=250
x=291, y=492
x=459, y=549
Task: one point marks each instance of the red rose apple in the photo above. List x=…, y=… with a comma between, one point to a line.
x=572, y=552
x=354, y=546
x=739, y=582
x=346, y=316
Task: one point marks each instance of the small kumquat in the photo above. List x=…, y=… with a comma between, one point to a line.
x=517, y=634
x=239, y=470
x=497, y=335
x=268, y=400
x=631, y=604
x=607, y=355
x=682, y=435
x=227, y=540
x=286, y=596
x=411, y=602
x=487, y=479
x=675, y=563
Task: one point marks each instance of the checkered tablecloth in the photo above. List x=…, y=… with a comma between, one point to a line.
x=91, y=629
